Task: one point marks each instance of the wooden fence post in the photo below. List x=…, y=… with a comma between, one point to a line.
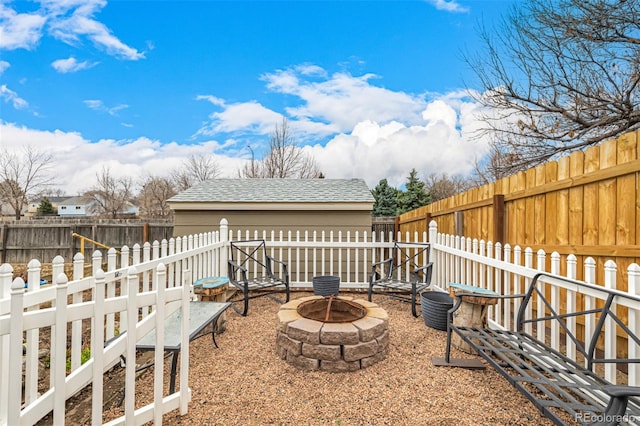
x=458, y=223
x=498, y=218
x=396, y=227
x=3, y=238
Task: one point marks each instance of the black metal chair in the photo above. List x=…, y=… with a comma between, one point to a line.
x=401, y=275
x=251, y=271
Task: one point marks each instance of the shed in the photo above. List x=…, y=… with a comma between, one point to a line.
x=274, y=205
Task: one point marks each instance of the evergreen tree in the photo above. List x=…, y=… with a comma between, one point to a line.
x=45, y=207
x=386, y=199
x=415, y=195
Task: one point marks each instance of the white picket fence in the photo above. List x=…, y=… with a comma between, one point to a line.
x=508, y=270
x=147, y=283
x=140, y=286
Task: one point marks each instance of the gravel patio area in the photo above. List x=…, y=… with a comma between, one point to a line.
x=244, y=382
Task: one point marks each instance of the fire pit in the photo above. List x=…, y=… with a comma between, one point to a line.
x=331, y=309
x=335, y=333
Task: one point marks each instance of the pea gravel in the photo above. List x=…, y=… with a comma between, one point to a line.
x=244, y=382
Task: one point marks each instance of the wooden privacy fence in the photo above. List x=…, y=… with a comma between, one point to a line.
x=21, y=241
x=586, y=204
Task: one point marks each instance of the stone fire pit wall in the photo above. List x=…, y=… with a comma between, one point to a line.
x=333, y=347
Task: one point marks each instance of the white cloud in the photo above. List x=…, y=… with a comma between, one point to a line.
x=373, y=132
x=344, y=100
x=68, y=30
x=98, y=105
x=328, y=105
x=19, y=30
x=65, y=20
x=212, y=99
x=71, y=65
x=448, y=6
x=249, y=117
x=3, y=66
x=10, y=96
x=374, y=151
x=78, y=159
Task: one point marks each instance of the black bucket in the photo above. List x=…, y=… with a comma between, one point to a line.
x=326, y=285
x=434, y=306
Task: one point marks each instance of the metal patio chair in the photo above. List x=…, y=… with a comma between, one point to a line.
x=403, y=275
x=251, y=270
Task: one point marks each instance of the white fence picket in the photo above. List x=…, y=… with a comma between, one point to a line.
x=97, y=346
x=634, y=324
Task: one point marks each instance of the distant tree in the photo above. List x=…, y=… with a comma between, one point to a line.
x=153, y=196
x=559, y=76
x=195, y=169
x=386, y=199
x=414, y=195
x=24, y=176
x=284, y=160
x=45, y=207
x=111, y=196
x=442, y=186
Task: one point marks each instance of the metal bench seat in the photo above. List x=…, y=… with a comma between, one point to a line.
x=553, y=382
x=562, y=388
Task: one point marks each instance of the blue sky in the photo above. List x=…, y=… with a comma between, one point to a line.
x=371, y=89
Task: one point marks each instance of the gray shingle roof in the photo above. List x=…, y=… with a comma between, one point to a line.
x=278, y=190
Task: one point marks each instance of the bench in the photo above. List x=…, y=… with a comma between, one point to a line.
x=201, y=315
x=561, y=388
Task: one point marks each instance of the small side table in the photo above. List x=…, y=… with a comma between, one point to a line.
x=472, y=311
x=213, y=289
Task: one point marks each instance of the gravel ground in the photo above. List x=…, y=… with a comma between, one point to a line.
x=244, y=382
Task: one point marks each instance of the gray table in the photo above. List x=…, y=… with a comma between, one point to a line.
x=201, y=315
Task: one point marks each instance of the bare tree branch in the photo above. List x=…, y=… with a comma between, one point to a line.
x=196, y=168
x=559, y=76
x=24, y=176
x=153, y=197
x=284, y=160
x=111, y=196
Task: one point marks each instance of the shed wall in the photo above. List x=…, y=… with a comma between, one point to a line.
x=188, y=222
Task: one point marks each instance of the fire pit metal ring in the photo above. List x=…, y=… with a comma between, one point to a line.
x=331, y=310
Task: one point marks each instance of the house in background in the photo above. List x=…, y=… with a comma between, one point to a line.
x=83, y=206
x=76, y=207
x=274, y=205
x=32, y=208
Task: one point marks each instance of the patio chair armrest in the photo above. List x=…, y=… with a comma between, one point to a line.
x=382, y=262
x=618, y=391
x=426, y=270
x=285, y=267
x=376, y=265
x=375, y=269
x=273, y=259
x=234, y=268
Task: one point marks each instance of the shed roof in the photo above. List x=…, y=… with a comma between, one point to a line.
x=278, y=191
